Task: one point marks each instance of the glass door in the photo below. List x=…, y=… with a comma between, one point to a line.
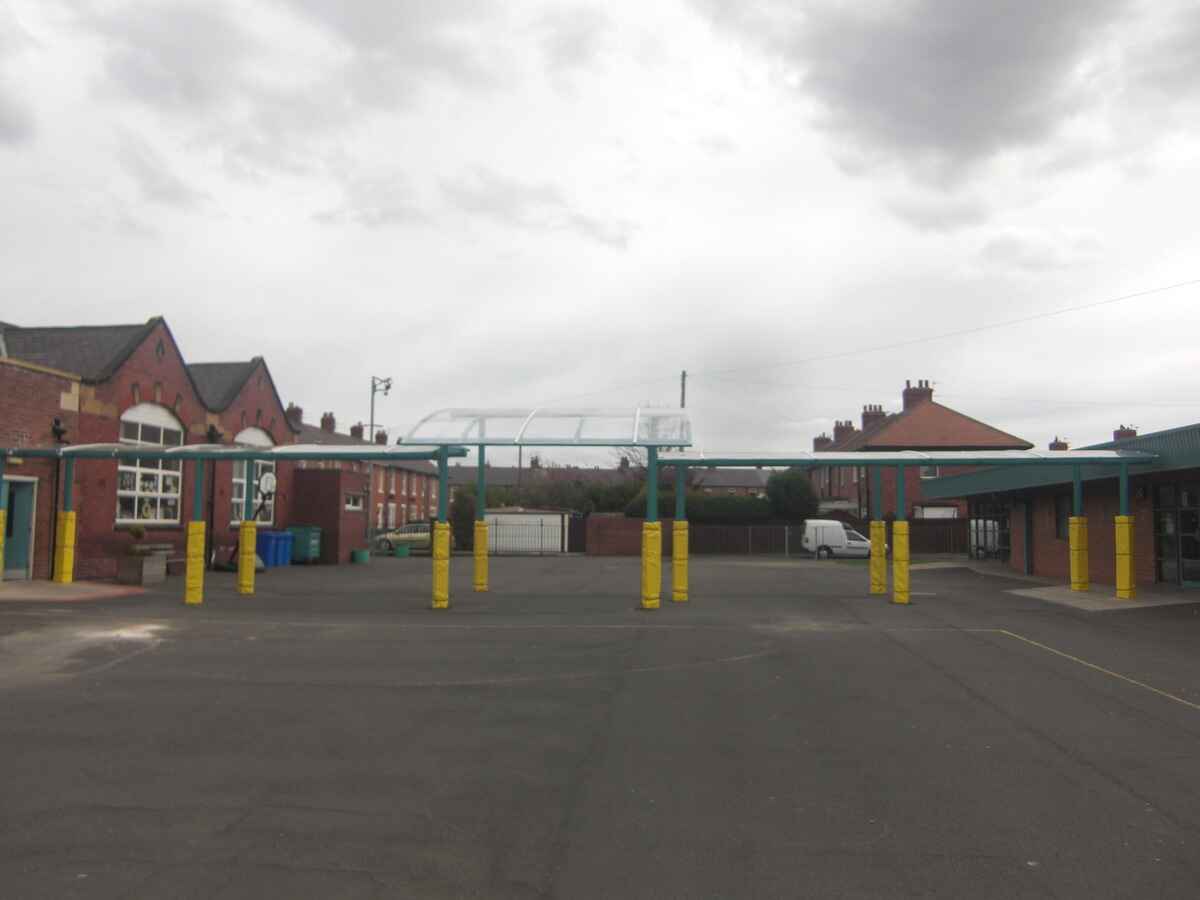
x=1189, y=547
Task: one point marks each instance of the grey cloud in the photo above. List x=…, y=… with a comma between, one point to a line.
x=1170, y=65
x=408, y=37
x=937, y=86
x=374, y=203
x=529, y=206
x=177, y=58
x=153, y=174
x=17, y=123
x=1036, y=253
x=939, y=213
x=571, y=38
x=16, y=119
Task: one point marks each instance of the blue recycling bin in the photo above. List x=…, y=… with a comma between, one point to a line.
x=286, y=538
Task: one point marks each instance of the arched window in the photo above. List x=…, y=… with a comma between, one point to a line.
x=148, y=489
x=252, y=437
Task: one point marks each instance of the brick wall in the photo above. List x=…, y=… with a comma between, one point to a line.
x=320, y=500
x=30, y=399
x=1051, y=557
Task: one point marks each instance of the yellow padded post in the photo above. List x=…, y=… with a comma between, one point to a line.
x=481, y=555
x=64, y=554
x=193, y=591
x=441, y=565
x=1126, y=589
x=1077, y=533
x=651, y=564
x=247, y=542
x=878, y=565
x=679, y=561
x=900, y=562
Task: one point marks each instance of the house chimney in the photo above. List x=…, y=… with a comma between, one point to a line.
x=328, y=423
x=919, y=394
x=822, y=442
x=380, y=436
x=1123, y=432
x=842, y=430
x=872, y=415
x=295, y=414
x=1059, y=444
x=356, y=431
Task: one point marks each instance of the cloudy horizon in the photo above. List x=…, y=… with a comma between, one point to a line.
x=546, y=203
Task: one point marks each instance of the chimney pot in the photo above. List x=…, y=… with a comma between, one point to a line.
x=328, y=423
x=356, y=430
x=294, y=414
x=822, y=442
x=1124, y=432
x=919, y=394
x=380, y=436
x=1059, y=444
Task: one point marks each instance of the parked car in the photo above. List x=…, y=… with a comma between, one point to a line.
x=825, y=538
x=417, y=536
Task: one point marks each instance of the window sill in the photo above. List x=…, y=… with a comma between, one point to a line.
x=149, y=526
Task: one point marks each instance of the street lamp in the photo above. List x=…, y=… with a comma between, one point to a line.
x=378, y=385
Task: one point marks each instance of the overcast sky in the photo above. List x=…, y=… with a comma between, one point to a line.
x=526, y=203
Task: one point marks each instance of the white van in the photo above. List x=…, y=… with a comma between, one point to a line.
x=829, y=537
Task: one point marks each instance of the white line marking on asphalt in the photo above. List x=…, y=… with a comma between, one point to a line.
x=1090, y=665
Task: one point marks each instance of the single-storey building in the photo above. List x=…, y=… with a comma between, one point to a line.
x=1029, y=508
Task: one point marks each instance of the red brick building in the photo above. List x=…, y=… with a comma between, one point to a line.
x=921, y=424
x=402, y=492
x=130, y=384
x=1030, y=507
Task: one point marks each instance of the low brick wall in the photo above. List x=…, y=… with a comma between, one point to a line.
x=615, y=534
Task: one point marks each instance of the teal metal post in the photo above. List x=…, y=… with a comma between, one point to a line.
x=3, y=496
x=1124, y=489
x=481, y=488
x=248, y=491
x=198, y=492
x=651, y=484
x=876, y=494
x=69, y=485
x=900, y=505
x=1077, y=492
x=680, y=492
x=443, y=482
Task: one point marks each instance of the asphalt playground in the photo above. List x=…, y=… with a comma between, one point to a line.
x=783, y=734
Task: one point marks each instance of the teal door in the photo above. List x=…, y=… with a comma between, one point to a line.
x=18, y=531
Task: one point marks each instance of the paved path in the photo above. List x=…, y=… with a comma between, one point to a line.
x=782, y=735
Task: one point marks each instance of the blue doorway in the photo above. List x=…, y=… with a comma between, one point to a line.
x=18, y=530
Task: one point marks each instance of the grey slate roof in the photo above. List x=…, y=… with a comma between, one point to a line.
x=313, y=434
x=93, y=352
x=218, y=383
x=755, y=479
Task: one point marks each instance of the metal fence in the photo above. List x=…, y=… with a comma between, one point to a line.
x=526, y=538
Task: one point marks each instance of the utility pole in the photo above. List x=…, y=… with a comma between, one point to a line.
x=683, y=389
x=385, y=385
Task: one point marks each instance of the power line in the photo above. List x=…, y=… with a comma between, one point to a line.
x=961, y=332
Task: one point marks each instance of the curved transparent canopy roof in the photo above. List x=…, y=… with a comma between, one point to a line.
x=544, y=427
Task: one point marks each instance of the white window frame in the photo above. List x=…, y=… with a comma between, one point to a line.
x=150, y=477
x=354, y=502
x=930, y=471
x=252, y=436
